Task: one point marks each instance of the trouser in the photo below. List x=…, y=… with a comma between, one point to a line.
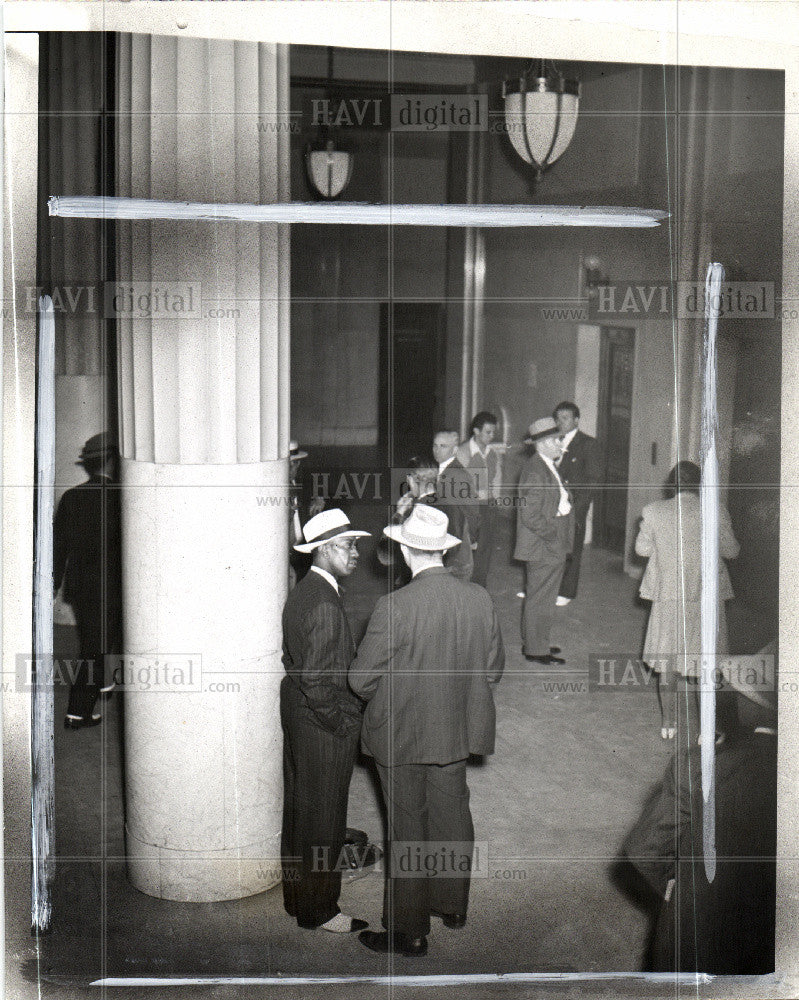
x=539, y=605
x=571, y=572
x=485, y=544
x=96, y=639
x=430, y=828
x=317, y=768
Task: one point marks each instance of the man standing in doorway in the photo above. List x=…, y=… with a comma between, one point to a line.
x=426, y=666
x=321, y=720
x=477, y=457
x=579, y=470
x=543, y=538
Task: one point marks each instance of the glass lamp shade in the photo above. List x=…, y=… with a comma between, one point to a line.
x=541, y=124
x=329, y=169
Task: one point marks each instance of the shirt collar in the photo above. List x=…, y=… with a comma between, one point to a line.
x=568, y=438
x=474, y=448
x=443, y=465
x=429, y=569
x=328, y=576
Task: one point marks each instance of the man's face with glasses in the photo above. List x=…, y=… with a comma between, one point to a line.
x=343, y=556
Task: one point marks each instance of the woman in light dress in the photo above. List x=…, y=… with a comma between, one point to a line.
x=670, y=535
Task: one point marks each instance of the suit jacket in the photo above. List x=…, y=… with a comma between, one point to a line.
x=670, y=534
x=541, y=536
x=455, y=492
x=425, y=666
x=87, y=547
x=317, y=651
x=579, y=470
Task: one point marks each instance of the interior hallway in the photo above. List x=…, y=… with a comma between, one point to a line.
x=570, y=772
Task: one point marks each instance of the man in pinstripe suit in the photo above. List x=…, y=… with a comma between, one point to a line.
x=321, y=720
x=426, y=666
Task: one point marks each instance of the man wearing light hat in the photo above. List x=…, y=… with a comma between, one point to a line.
x=426, y=667
x=543, y=538
x=321, y=720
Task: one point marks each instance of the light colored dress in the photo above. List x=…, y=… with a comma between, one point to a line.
x=670, y=535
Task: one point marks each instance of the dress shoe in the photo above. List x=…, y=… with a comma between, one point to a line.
x=342, y=923
x=554, y=650
x=72, y=722
x=548, y=660
x=453, y=920
x=561, y=602
x=397, y=944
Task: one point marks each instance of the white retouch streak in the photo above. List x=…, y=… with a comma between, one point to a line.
x=356, y=214
x=709, y=513
x=41, y=676
x=454, y=979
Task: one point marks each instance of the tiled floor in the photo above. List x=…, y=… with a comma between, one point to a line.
x=571, y=770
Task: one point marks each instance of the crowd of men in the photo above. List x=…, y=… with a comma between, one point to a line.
x=424, y=672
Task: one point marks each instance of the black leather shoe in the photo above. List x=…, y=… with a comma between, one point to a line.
x=547, y=660
x=397, y=944
x=452, y=920
x=554, y=650
x=73, y=723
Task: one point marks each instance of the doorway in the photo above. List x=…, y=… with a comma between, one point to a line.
x=616, y=364
x=411, y=378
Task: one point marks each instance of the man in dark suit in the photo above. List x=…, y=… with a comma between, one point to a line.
x=426, y=665
x=579, y=470
x=87, y=561
x=543, y=538
x=456, y=496
x=321, y=720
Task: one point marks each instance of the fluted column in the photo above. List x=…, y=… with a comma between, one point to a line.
x=73, y=252
x=203, y=403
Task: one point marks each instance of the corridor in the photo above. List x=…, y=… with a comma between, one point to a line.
x=570, y=773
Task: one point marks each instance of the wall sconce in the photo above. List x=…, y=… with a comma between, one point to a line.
x=329, y=169
x=541, y=114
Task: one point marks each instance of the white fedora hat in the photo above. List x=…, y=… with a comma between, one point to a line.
x=295, y=452
x=425, y=528
x=544, y=427
x=326, y=526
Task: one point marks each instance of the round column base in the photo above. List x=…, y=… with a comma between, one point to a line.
x=203, y=876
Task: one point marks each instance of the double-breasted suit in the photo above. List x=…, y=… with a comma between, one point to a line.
x=321, y=720
x=426, y=665
x=543, y=540
x=579, y=470
x=456, y=496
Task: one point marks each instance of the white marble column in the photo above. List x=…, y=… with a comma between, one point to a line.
x=203, y=403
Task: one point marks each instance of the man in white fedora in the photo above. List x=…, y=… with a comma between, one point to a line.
x=544, y=527
x=426, y=665
x=321, y=720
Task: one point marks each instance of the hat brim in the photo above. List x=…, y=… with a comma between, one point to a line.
x=394, y=532
x=310, y=546
x=297, y=455
x=532, y=438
